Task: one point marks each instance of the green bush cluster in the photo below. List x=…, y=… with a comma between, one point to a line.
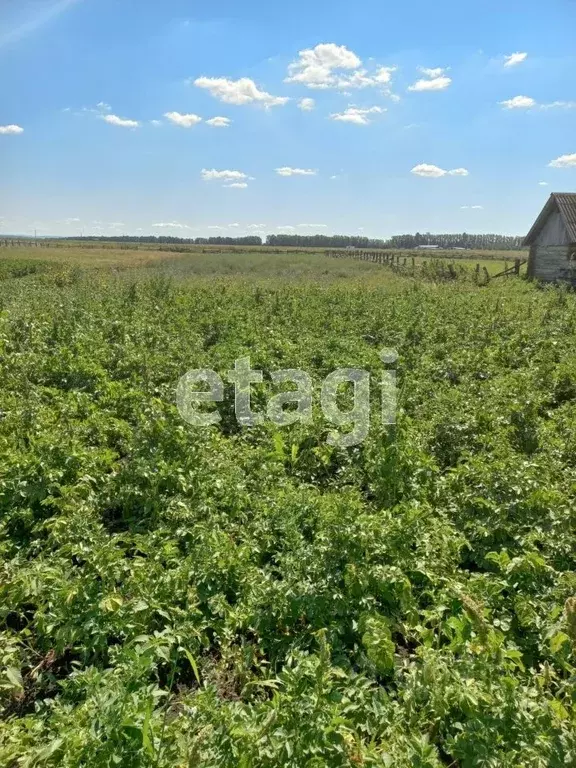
x=229, y=597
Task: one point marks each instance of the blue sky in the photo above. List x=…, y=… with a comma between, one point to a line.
x=105, y=108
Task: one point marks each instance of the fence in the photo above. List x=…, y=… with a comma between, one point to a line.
x=438, y=269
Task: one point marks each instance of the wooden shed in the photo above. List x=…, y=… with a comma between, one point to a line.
x=552, y=240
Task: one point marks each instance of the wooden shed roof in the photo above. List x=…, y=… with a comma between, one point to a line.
x=565, y=204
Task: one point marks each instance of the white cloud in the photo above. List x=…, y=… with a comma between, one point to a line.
x=104, y=107
x=322, y=67
x=543, y=183
x=170, y=225
x=564, y=161
x=184, y=121
x=472, y=207
x=156, y=122
x=357, y=115
x=219, y=122
x=313, y=226
x=429, y=171
x=315, y=66
x=215, y=226
x=237, y=185
x=255, y=226
x=519, y=102
x=214, y=175
x=559, y=105
x=434, y=172
x=286, y=171
x=434, y=80
x=515, y=58
x=120, y=121
x=242, y=91
x=71, y=221
x=432, y=73
x=286, y=227
x=526, y=102
x=234, y=225
x=361, y=79
x=11, y=129
x=306, y=105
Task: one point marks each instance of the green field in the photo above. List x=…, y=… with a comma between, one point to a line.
x=257, y=597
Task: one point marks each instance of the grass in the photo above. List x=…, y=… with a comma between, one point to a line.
x=257, y=597
x=262, y=263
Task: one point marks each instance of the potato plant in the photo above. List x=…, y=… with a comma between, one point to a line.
x=224, y=597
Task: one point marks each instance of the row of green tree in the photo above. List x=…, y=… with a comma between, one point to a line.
x=489, y=242
x=463, y=240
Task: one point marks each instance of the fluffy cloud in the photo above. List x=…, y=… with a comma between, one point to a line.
x=184, y=121
x=327, y=66
x=306, y=105
x=433, y=80
x=564, y=161
x=472, y=207
x=120, y=121
x=236, y=185
x=515, y=58
x=286, y=171
x=286, y=228
x=543, y=183
x=255, y=226
x=10, y=129
x=170, y=225
x=357, y=115
x=434, y=172
x=526, y=102
x=219, y=122
x=242, y=91
x=214, y=175
x=315, y=66
x=519, y=102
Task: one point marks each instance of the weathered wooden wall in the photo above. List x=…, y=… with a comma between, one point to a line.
x=551, y=262
x=553, y=232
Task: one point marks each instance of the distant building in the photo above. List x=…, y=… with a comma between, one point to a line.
x=427, y=247
x=552, y=240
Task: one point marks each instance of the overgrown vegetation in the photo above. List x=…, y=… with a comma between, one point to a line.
x=226, y=597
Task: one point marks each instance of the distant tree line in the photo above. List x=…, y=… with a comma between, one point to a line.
x=463, y=240
x=324, y=241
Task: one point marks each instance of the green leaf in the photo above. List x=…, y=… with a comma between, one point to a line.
x=147, y=731
x=193, y=664
x=558, y=641
x=15, y=676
